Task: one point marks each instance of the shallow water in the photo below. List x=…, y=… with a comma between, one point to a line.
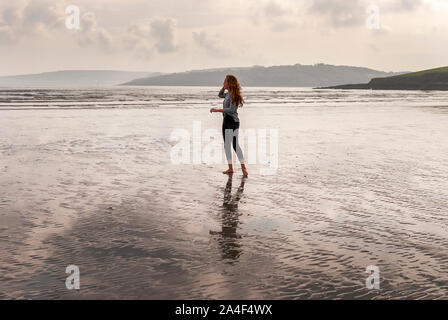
x=86, y=179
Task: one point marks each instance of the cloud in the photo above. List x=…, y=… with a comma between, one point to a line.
x=339, y=13
x=343, y=13
x=211, y=45
x=90, y=33
x=46, y=13
x=9, y=19
x=145, y=37
x=32, y=18
x=163, y=31
x=408, y=4
x=44, y=18
x=279, y=16
x=274, y=9
x=138, y=39
x=7, y=35
x=10, y=16
x=179, y=34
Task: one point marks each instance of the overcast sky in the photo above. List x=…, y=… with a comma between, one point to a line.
x=179, y=35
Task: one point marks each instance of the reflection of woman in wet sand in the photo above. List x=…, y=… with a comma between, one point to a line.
x=229, y=221
x=231, y=123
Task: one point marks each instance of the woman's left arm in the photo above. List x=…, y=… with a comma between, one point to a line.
x=226, y=102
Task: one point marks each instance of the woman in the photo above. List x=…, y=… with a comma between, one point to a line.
x=231, y=123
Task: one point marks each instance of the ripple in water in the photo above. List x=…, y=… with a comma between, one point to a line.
x=86, y=179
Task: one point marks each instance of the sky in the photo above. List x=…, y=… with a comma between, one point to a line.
x=179, y=35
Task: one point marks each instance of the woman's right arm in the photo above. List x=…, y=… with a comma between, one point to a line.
x=221, y=93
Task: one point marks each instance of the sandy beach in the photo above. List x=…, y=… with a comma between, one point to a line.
x=86, y=179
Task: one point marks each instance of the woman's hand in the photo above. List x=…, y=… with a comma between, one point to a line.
x=224, y=84
x=212, y=110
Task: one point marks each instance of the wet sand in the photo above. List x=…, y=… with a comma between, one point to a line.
x=86, y=179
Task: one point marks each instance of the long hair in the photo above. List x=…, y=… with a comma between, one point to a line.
x=234, y=88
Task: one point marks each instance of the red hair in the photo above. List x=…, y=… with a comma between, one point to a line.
x=234, y=88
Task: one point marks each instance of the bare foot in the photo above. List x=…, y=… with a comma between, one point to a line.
x=228, y=171
x=243, y=168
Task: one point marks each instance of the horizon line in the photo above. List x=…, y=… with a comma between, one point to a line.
x=211, y=68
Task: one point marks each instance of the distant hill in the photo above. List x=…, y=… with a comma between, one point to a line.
x=73, y=78
x=432, y=79
x=276, y=76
